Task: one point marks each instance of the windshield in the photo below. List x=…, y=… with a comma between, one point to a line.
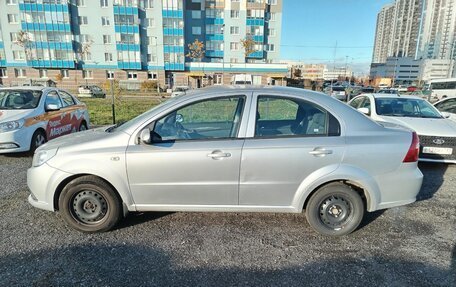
x=19, y=99
x=180, y=89
x=338, y=89
x=402, y=107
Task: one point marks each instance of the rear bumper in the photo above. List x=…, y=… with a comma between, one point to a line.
x=399, y=187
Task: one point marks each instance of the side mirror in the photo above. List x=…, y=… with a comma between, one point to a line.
x=145, y=137
x=445, y=115
x=365, y=111
x=51, y=107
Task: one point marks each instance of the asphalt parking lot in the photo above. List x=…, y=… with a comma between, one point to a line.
x=413, y=245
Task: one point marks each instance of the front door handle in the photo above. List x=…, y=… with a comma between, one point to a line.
x=218, y=154
x=319, y=152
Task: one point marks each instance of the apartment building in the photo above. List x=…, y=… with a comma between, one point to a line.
x=74, y=41
x=383, y=34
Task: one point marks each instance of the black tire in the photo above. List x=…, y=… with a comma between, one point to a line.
x=329, y=203
x=90, y=205
x=82, y=126
x=38, y=139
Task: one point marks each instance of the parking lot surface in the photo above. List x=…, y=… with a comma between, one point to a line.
x=414, y=245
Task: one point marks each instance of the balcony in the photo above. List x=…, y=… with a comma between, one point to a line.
x=215, y=4
x=256, y=5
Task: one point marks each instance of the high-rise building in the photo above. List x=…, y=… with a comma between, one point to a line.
x=406, y=28
x=137, y=40
x=438, y=30
x=383, y=34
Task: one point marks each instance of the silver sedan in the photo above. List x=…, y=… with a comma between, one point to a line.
x=231, y=149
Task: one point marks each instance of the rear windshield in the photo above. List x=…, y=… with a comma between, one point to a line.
x=338, y=89
x=19, y=99
x=401, y=107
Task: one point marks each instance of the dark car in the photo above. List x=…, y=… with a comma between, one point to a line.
x=91, y=91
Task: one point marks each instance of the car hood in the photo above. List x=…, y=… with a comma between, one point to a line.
x=430, y=127
x=77, y=139
x=14, y=115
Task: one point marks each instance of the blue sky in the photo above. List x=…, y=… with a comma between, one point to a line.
x=312, y=27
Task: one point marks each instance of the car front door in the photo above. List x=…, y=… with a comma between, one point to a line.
x=292, y=139
x=194, y=156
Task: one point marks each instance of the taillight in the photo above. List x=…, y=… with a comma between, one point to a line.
x=414, y=149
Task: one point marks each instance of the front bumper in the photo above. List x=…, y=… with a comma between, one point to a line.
x=43, y=182
x=20, y=139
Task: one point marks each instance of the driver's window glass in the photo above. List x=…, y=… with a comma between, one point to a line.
x=447, y=106
x=366, y=104
x=355, y=103
x=209, y=119
x=53, y=98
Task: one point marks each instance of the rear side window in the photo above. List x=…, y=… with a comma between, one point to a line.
x=53, y=98
x=356, y=102
x=281, y=116
x=67, y=99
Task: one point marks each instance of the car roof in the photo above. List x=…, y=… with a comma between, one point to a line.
x=379, y=96
x=30, y=88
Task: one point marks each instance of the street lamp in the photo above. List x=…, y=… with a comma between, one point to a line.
x=156, y=65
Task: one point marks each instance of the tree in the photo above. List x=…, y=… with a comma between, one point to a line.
x=23, y=40
x=297, y=73
x=84, y=50
x=249, y=46
x=196, y=50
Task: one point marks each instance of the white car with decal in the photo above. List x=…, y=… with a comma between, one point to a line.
x=30, y=116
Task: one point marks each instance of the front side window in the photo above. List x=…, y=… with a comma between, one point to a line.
x=356, y=102
x=66, y=99
x=448, y=106
x=279, y=116
x=210, y=119
x=53, y=98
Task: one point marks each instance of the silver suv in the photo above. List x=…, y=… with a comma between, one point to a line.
x=232, y=149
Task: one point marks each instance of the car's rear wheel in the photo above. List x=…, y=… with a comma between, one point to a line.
x=335, y=209
x=83, y=127
x=89, y=204
x=38, y=139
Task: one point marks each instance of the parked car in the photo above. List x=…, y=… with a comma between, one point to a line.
x=437, y=133
x=91, y=91
x=179, y=91
x=447, y=107
x=388, y=91
x=337, y=92
x=30, y=116
x=271, y=149
x=360, y=90
x=411, y=89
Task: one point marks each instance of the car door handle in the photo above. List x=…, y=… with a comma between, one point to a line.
x=218, y=154
x=320, y=152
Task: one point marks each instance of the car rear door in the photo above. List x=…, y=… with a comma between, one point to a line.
x=288, y=140
x=195, y=157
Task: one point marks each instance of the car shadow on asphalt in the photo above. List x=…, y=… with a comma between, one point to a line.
x=136, y=218
x=91, y=264
x=433, y=179
x=370, y=217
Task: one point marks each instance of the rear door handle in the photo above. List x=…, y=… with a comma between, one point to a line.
x=320, y=152
x=218, y=154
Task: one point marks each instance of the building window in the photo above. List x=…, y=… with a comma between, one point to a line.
x=151, y=75
x=151, y=40
x=83, y=20
x=272, y=16
x=3, y=73
x=87, y=56
x=12, y=18
x=132, y=75
x=86, y=74
x=65, y=74
x=85, y=38
x=11, y=2
x=109, y=74
x=19, y=55
x=234, y=30
x=234, y=60
x=148, y=4
x=20, y=73
x=105, y=21
x=149, y=22
x=235, y=14
x=234, y=46
x=108, y=57
x=43, y=74
x=14, y=36
x=218, y=79
x=104, y=3
x=107, y=39
x=272, y=32
x=196, y=14
x=80, y=3
x=269, y=47
x=272, y=2
x=196, y=30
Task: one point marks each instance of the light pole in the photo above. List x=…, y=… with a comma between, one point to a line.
x=156, y=64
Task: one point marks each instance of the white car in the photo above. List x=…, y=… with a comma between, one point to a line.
x=30, y=116
x=436, y=132
x=447, y=107
x=179, y=91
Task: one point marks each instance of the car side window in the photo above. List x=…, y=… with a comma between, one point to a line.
x=280, y=116
x=209, y=119
x=448, y=106
x=366, y=103
x=67, y=99
x=355, y=103
x=53, y=98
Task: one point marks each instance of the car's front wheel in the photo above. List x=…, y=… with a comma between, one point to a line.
x=335, y=209
x=89, y=204
x=38, y=139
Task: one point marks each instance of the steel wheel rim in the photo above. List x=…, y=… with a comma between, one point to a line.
x=335, y=211
x=40, y=140
x=88, y=207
